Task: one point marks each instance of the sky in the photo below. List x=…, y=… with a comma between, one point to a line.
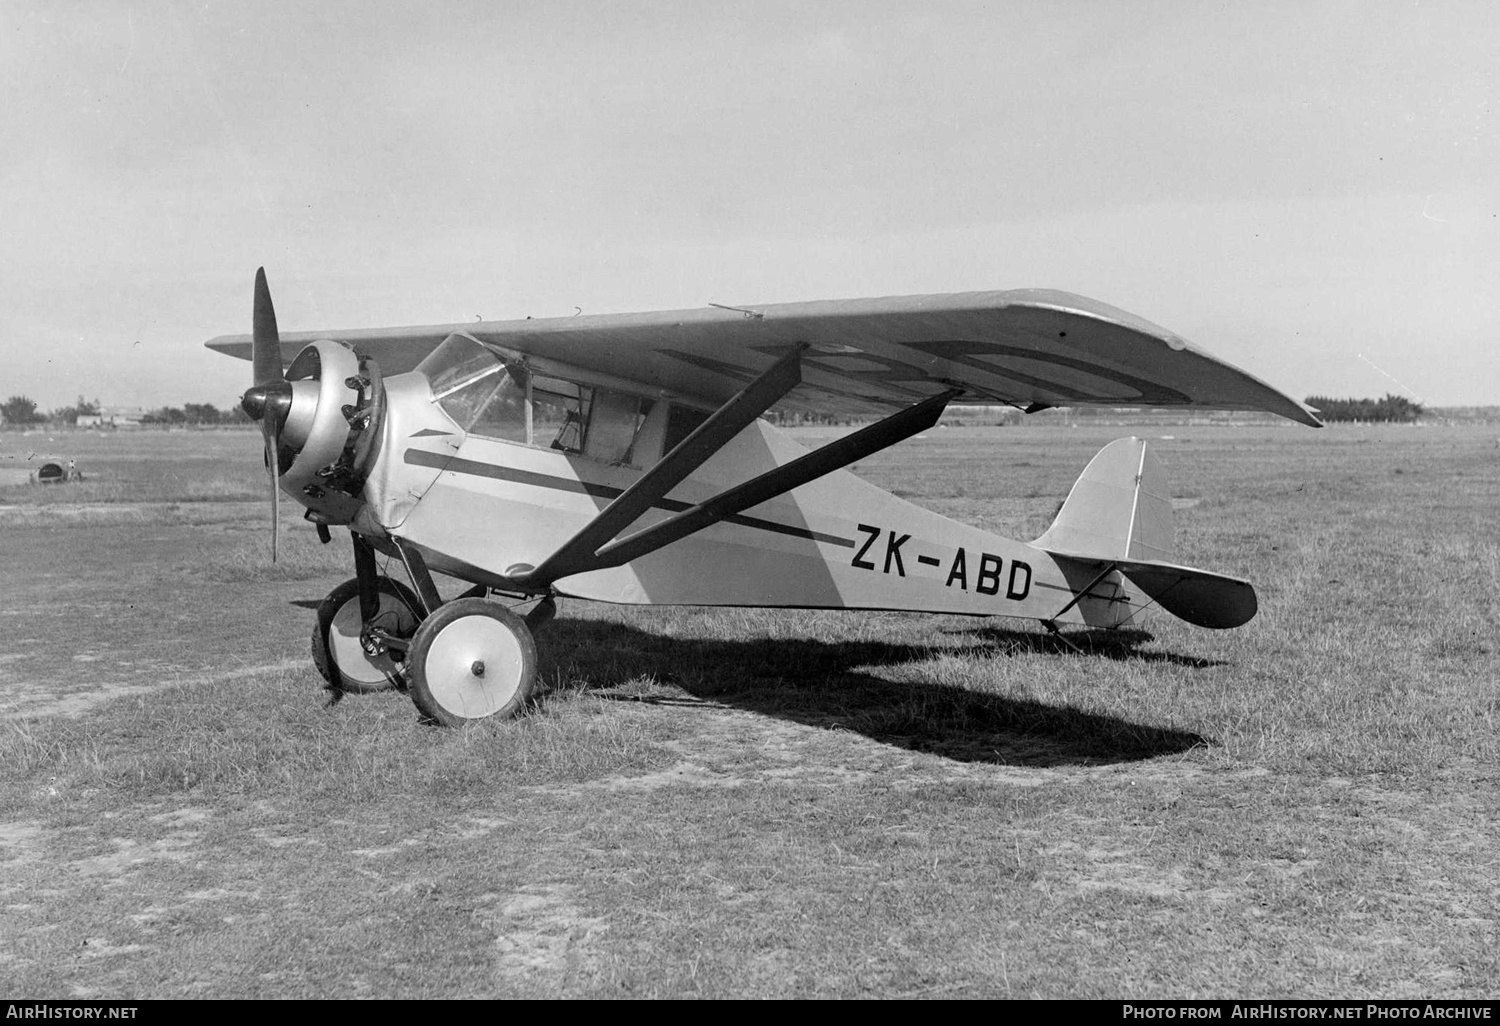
x=1309, y=190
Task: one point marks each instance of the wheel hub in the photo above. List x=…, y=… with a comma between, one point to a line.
x=461, y=659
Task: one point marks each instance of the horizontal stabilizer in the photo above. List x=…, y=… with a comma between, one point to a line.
x=1201, y=598
x=1197, y=596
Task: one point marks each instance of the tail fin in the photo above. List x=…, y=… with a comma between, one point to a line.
x=1118, y=509
x=1119, y=517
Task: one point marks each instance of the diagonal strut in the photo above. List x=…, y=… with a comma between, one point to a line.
x=579, y=553
x=834, y=456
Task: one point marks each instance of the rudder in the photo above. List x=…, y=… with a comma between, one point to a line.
x=1118, y=508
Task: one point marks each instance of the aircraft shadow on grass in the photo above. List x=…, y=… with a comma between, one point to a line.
x=1121, y=644
x=826, y=684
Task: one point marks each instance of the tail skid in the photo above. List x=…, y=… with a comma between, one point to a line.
x=1119, y=517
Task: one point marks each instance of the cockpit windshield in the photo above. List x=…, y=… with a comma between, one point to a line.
x=464, y=376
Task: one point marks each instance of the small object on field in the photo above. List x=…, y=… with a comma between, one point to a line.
x=56, y=472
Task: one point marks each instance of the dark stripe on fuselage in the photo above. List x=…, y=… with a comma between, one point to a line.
x=475, y=468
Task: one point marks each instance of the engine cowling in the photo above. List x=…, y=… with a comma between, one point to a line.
x=335, y=396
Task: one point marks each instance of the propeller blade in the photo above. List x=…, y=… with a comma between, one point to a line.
x=269, y=398
x=266, y=342
x=273, y=465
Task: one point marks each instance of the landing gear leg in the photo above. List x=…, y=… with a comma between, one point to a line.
x=367, y=575
x=416, y=569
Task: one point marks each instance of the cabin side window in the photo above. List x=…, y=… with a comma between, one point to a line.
x=599, y=423
x=615, y=419
x=559, y=413
x=503, y=414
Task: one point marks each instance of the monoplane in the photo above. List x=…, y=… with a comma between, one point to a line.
x=626, y=458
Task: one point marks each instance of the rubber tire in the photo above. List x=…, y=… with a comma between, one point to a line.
x=459, y=634
x=323, y=657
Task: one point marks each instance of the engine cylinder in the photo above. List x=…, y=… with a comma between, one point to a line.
x=316, y=427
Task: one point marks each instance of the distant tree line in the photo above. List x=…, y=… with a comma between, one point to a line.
x=794, y=418
x=1392, y=408
x=196, y=415
x=21, y=411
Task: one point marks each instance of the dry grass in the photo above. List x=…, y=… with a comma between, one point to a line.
x=772, y=803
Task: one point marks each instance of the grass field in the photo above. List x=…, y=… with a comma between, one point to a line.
x=742, y=803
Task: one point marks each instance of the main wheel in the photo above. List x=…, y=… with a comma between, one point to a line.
x=336, y=648
x=469, y=660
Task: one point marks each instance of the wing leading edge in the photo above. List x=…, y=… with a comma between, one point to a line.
x=1024, y=347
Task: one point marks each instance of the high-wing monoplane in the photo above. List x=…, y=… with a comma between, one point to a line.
x=625, y=458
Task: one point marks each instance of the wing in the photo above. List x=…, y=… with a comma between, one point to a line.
x=1024, y=347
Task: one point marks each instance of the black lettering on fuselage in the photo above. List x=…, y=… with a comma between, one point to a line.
x=959, y=571
x=1013, y=592
x=988, y=580
x=859, y=560
x=893, y=550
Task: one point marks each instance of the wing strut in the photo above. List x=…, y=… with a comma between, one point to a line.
x=835, y=455
x=578, y=553
x=593, y=549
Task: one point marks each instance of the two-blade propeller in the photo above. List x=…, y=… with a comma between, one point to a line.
x=269, y=399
